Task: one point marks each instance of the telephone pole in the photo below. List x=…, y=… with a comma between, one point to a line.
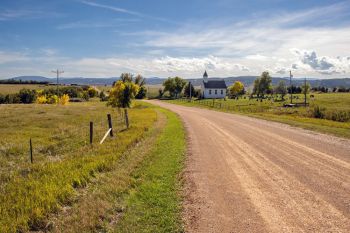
x=291, y=86
x=305, y=92
x=57, y=72
x=189, y=83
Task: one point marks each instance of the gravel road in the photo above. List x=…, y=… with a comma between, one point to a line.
x=250, y=175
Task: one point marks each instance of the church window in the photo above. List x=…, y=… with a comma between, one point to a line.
x=209, y=92
x=216, y=92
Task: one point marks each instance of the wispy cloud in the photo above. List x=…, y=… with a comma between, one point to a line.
x=124, y=11
x=18, y=14
x=94, y=24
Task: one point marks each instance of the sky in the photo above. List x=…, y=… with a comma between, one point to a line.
x=165, y=38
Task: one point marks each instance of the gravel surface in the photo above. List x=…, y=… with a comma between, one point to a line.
x=250, y=175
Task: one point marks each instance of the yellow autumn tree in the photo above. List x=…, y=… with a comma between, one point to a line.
x=122, y=94
x=236, y=89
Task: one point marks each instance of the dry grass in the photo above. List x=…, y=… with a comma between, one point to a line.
x=15, y=88
x=30, y=192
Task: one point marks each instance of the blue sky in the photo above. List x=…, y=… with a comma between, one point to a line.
x=102, y=38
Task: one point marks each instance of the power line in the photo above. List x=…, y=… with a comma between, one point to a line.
x=57, y=72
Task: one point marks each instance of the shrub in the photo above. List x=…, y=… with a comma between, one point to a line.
x=318, y=112
x=27, y=96
x=338, y=115
x=85, y=95
x=92, y=92
x=64, y=99
x=41, y=99
x=52, y=99
x=141, y=93
x=103, y=96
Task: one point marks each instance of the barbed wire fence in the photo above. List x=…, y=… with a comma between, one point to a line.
x=57, y=144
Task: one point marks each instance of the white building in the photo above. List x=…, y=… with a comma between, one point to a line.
x=213, y=89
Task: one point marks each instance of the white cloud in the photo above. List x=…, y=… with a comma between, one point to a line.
x=257, y=57
x=7, y=57
x=224, y=49
x=323, y=65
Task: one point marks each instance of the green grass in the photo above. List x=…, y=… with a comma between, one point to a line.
x=31, y=192
x=300, y=117
x=154, y=204
x=141, y=192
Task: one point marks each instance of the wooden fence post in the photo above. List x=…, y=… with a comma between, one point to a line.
x=91, y=131
x=31, y=150
x=110, y=124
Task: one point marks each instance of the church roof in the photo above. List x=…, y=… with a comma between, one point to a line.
x=215, y=84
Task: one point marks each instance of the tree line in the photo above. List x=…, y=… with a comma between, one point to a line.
x=14, y=81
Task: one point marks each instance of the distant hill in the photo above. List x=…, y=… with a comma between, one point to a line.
x=247, y=81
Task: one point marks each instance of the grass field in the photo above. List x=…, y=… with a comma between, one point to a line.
x=334, y=104
x=63, y=160
x=15, y=88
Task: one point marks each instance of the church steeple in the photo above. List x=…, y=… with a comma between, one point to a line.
x=205, y=77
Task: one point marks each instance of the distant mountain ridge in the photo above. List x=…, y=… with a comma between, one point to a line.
x=246, y=80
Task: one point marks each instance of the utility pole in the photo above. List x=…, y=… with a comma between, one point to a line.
x=189, y=83
x=305, y=92
x=291, y=86
x=57, y=72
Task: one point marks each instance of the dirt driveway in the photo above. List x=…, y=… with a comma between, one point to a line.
x=250, y=175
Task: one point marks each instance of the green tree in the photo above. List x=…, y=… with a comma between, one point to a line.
x=92, y=92
x=262, y=85
x=189, y=89
x=236, y=89
x=281, y=89
x=122, y=93
x=174, y=86
x=141, y=82
x=160, y=93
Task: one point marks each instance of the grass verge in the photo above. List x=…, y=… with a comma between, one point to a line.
x=287, y=116
x=154, y=204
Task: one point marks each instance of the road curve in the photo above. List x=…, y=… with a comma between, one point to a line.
x=250, y=175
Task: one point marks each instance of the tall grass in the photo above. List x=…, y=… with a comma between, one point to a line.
x=33, y=191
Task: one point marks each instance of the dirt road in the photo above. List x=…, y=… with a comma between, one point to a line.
x=250, y=175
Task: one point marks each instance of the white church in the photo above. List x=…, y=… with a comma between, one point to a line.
x=213, y=89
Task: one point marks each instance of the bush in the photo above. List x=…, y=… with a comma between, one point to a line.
x=41, y=99
x=27, y=96
x=142, y=93
x=64, y=99
x=338, y=115
x=103, y=96
x=85, y=95
x=318, y=112
x=52, y=99
x=92, y=92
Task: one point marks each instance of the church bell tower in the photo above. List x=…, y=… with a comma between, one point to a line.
x=205, y=77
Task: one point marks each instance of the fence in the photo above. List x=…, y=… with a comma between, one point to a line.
x=229, y=106
x=54, y=146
